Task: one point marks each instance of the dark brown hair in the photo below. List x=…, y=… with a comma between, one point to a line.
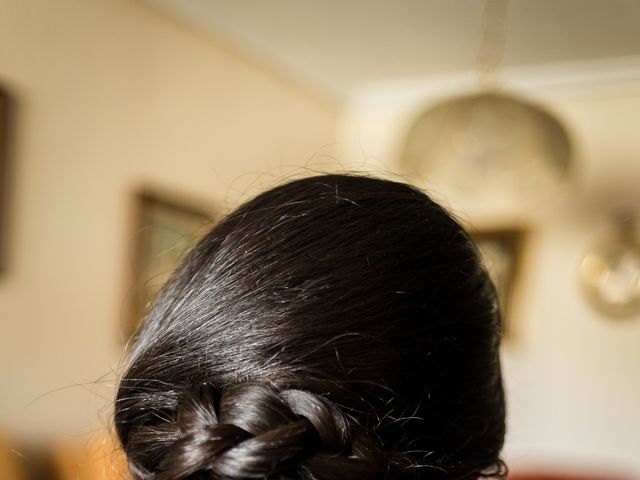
x=337, y=327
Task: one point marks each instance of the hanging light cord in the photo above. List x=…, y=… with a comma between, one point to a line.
x=493, y=42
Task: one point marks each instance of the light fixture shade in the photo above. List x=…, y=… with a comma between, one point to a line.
x=485, y=138
x=610, y=271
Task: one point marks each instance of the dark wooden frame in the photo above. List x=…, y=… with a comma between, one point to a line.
x=510, y=241
x=5, y=187
x=148, y=202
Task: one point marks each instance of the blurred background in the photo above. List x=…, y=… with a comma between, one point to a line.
x=127, y=127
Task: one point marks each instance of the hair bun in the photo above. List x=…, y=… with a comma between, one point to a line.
x=386, y=330
x=253, y=430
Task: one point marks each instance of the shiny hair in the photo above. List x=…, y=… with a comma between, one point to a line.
x=336, y=327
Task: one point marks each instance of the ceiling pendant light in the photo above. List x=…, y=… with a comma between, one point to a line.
x=488, y=137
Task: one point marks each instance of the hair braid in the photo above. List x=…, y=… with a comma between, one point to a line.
x=253, y=430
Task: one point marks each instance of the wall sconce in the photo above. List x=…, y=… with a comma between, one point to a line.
x=610, y=271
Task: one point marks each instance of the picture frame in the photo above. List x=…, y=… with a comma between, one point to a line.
x=166, y=227
x=502, y=251
x=5, y=187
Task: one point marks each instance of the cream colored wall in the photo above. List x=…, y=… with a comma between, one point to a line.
x=574, y=379
x=572, y=374
x=110, y=96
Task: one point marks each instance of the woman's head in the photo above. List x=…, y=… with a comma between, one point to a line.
x=334, y=327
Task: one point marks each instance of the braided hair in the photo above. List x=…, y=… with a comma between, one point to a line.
x=336, y=327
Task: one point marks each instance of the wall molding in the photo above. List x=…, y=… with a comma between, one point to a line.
x=598, y=77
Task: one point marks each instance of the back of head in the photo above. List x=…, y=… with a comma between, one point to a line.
x=337, y=327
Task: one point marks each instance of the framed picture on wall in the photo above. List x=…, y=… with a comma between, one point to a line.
x=502, y=251
x=166, y=227
x=4, y=175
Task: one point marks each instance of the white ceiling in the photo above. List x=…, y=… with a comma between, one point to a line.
x=340, y=45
